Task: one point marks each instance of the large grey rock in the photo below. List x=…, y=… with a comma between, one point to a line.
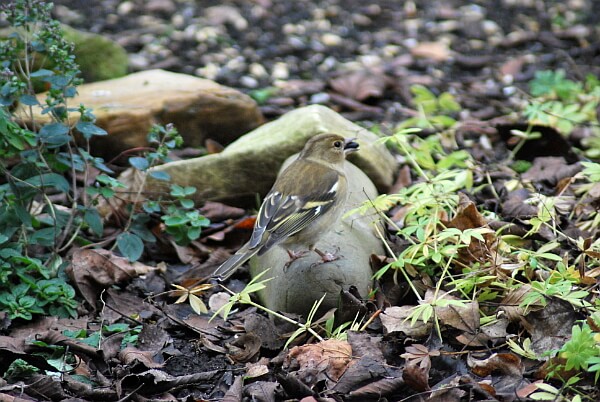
x=128, y=107
x=249, y=165
x=294, y=289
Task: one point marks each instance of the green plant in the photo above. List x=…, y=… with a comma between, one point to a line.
x=46, y=204
x=442, y=174
x=94, y=338
x=261, y=96
x=578, y=350
x=432, y=110
x=40, y=158
x=256, y=285
x=180, y=218
x=550, y=393
x=564, y=104
x=182, y=221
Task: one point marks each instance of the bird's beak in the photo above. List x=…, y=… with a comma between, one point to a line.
x=350, y=145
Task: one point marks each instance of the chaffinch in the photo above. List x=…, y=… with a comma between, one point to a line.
x=306, y=200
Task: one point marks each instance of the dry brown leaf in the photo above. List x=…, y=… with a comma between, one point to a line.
x=515, y=206
x=396, y=319
x=463, y=318
x=234, y=393
x=506, y=363
x=94, y=270
x=254, y=370
x=131, y=355
x=468, y=217
x=416, y=376
x=328, y=359
x=359, y=85
x=245, y=348
x=551, y=169
x=528, y=389
x=418, y=364
x=376, y=389
x=437, y=51
x=511, y=304
x=512, y=67
x=218, y=212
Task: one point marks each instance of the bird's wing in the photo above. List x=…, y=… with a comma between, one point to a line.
x=292, y=213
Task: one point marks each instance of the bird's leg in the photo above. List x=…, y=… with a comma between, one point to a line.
x=294, y=255
x=328, y=257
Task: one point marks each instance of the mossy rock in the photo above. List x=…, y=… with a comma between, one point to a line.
x=99, y=58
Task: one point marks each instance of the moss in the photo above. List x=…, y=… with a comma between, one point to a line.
x=99, y=58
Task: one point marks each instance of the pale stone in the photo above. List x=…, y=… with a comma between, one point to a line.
x=128, y=107
x=352, y=239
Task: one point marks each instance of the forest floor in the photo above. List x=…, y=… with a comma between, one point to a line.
x=490, y=313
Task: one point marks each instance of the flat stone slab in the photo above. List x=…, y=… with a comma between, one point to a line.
x=127, y=108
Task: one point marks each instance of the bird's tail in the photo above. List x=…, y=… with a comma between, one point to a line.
x=226, y=269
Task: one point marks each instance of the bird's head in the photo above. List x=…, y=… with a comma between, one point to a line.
x=330, y=148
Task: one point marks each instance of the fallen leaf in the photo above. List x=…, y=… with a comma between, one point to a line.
x=550, y=169
x=505, y=363
x=359, y=85
x=245, y=348
x=328, y=359
x=94, y=270
x=397, y=319
x=512, y=303
x=436, y=51
x=468, y=217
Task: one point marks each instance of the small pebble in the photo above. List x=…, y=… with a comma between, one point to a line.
x=125, y=8
x=236, y=64
x=209, y=71
x=361, y=20
x=490, y=27
x=330, y=39
x=178, y=21
x=248, y=82
x=375, y=9
x=320, y=98
x=280, y=71
x=138, y=61
x=257, y=70
x=160, y=6
x=508, y=91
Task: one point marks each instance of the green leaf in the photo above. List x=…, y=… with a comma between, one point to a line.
x=130, y=245
x=139, y=163
x=41, y=73
x=94, y=221
x=54, y=134
x=175, y=220
x=160, y=175
x=50, y=180
x=89, y=129
x=44, y=237
x=28, y=100
x=448, y=103
x=186, y=203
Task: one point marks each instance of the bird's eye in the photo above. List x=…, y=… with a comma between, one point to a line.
x=337, y=144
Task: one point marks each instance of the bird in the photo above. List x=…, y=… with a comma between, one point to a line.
x=305, y=201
